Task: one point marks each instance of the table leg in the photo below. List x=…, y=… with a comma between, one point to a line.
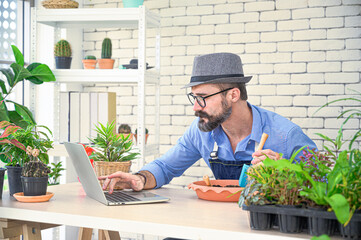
x=108, y=235
x=31, y=231
x=85, y=233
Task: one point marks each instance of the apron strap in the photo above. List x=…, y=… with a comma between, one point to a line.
x=214, y=153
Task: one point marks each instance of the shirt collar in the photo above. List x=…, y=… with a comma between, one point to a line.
x=257, y=128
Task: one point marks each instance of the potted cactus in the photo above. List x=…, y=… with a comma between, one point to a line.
x=146, y=134
x=125, y=130
x=106, y=62
x=89, y=62
x=62, y=53
x=34, y=175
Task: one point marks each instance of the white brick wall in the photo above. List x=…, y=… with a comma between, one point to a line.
x=301, y=54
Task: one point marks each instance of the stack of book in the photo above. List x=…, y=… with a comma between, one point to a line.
x=80, y=112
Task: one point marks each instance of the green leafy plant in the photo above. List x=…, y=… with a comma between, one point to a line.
x=36, y=73
x=111, y=147
x=5, y=137
x=62, y=49
x=54, y=174
x=32, y=136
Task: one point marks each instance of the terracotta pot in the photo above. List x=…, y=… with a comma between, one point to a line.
x=89, y=63
x=146, y=137
x=105, y=63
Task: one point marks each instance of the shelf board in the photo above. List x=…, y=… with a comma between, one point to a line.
x=95, y=17
x=108, y=76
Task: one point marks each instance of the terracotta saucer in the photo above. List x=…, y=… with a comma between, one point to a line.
x=33, y=199
x=219, y=194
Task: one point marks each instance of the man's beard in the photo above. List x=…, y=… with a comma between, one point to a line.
x=213, y=121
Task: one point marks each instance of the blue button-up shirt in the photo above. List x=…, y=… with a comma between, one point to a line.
x=284, y=137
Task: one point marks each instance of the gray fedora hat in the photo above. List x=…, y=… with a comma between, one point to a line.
x=217, y=68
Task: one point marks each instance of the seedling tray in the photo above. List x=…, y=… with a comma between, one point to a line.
x=302, y=212
x=290, y=219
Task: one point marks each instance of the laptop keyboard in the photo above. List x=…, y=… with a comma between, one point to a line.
x=118, y=196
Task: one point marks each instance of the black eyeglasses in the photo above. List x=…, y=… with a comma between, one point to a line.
x=202, y=100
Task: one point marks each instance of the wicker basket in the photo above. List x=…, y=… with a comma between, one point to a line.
x=60, y=4
x=107, y=168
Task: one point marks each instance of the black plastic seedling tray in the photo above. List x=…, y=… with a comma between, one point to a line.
x=291, y=219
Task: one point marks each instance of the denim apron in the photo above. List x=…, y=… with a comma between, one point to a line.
x=226, y=169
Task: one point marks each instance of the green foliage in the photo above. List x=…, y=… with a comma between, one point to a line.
x=322, y=237
x=54, y=174
x=32, y=136
x=90, y=57
x=62, y=49
x=111, y=147
x=107, y=48
x=36, y=73
x=5, y=138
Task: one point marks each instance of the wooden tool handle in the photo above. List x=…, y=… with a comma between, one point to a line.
x=206, y=179
x=263, y=140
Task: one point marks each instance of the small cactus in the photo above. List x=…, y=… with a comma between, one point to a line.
x=107, y=48
x=34, y=168
x=62, y=49
x=90, y=57
x=124, y=128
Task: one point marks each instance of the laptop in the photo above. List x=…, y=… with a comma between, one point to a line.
x=91, y=185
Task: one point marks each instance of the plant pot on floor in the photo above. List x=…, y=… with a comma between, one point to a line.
x=14, y=180
x=106, y=63
x=62, y=62
x=2, y=175
x=34, y=186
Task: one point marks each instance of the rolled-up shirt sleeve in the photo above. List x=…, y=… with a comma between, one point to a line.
x=176, y=160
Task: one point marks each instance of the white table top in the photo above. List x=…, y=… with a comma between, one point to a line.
x=184, y=216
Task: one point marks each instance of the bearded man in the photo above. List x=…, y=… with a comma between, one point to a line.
x=225, y=133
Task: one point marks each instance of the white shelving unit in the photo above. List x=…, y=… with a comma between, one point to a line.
x=82, y=18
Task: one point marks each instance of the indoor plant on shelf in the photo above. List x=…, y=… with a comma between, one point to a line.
x=126, y=130
x=112, y=152
x=89, y=62
x=16, y=158
x=106, y=61
x=34, y=175
x=36, y=73
x=146, y=134
x=62, y=53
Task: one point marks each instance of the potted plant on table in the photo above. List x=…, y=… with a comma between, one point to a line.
x=16, y=158
x=7, y=129
x=89, y=62
x=34, y=175
x=106, y=62
x=62, y=53
x=36, y=73
x=112, y=152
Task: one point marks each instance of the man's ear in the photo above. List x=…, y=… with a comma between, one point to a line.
x=235, y=94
